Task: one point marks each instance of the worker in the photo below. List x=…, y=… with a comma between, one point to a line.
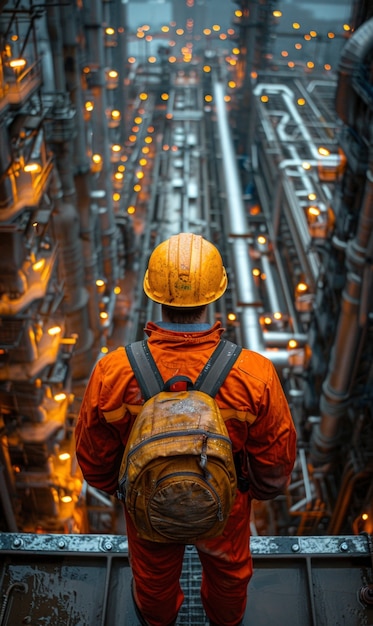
x=185, y=274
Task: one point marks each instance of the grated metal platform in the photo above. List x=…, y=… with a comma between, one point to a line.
x=84, y=580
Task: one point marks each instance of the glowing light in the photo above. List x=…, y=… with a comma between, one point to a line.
x=306, y=165
x=310, y=65
x=109, y=30
x=327, y=67
x=261, y=239
x=164, y=96
x=207, y=31
x=148, y=139
x=104, y=315
x=112, y=74
x=60, y=397
x=152, y=59
x=165, y=29
x=312, y=196
x=137, y=188
x=143, y=96
x=277, y=315
x=39, y=265
x=172, y=59
x=100, y=282
x=216, y=28
x=116, y=197
x=96, y=158
x=66, y=499
x=115, y=114
x=139, y=175
x=331, y=35
x=104, y=350
x=296, y=25
x=284, y=53
x=232, y=84
x=227, y=98
x=131, y=60
x=143, y=162
x=313, y=33
x=89, y=106
x=267, y=320
x=145, y=149
x=264, y=98
x=291, y=64
x=116, y=147
x=277, y=13
x=238, y=13
x=54, y=330
x=208, y=98
x=346, y=27
x=301, y=102
x=365, y=516
x=236, y=51
x=307, y=37
x=313, y=211
x=179, y=31
x=207, y=68
x=117, y=290
x=32, y=168
x=323, y=151
x=64, y=456
x=292, y=344
x=132, y=138
x=131, y=210
x=301, y=287
x=138, y=119
x=17, y=64
x=298, y=46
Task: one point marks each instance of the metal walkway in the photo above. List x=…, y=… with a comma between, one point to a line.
x=84, y=580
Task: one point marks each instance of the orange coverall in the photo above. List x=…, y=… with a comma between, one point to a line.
x=259, y=423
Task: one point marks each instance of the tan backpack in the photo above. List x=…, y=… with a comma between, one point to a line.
x=177, y=476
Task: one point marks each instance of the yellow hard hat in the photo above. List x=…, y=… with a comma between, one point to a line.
x=186, y=270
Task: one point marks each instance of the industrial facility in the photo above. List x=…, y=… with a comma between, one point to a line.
x=255, y=131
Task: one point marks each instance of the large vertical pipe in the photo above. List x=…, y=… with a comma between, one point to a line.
x=97, y=85
x=351, y=331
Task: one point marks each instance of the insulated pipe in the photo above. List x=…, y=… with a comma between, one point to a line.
x=237, y=215
x=288, y=97
x=247, y=296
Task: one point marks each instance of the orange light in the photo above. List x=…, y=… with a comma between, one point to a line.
x=60, y=397
x=64, y=456
x=54, y=330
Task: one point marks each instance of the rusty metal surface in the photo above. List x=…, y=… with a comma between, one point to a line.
x=84, y=580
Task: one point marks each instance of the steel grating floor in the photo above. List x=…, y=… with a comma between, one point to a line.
x=85, y=580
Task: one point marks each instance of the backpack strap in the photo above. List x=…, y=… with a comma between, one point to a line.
x=209, y=381
x=145, y=369
x=217, y=367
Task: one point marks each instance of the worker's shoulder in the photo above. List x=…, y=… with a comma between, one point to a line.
x=254, y=364
x=114, y=359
